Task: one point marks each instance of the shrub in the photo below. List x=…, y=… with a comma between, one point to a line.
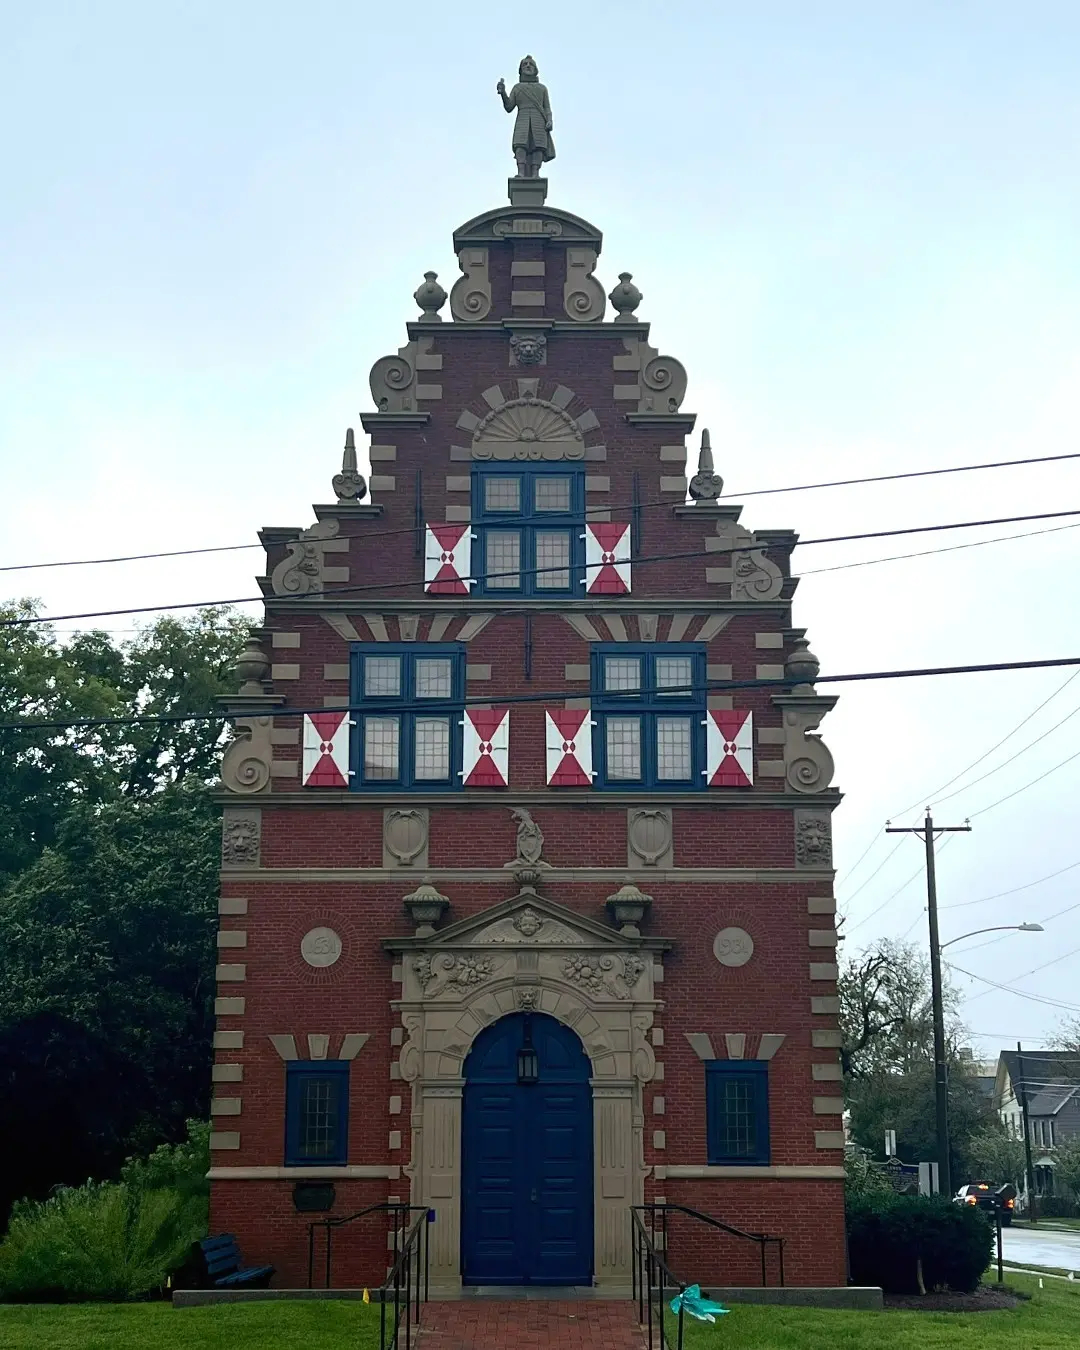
x=111, y=1240
x=895, y=1239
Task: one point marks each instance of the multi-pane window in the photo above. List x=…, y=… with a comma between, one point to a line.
x=737, y=1111
x=528, y=523
x=316, y=1113
x=649, y=705
x=408, y=713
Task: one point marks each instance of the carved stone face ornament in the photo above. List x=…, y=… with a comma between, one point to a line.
x=529, y=349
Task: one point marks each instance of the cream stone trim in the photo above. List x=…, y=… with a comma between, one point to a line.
x=341, y=626
x=466, y=875
x=827, y=1040
x=394, y=1140
x=232, y=937
x=379, y=454
x=656, y=1035
x=229, y=1007
x=827, y=1073
x=395, y=1106
x=457, y=515
x=770, y=1042
x=527, y=966
x=494, y=397
x=282, y=670
x=456, y=482
x=232, y=904
x=225, y=1106
x=828, y=1106
x=224, y=1139
x=377, y=624
x=659, y=1140
x=822, y=937
x=336, y=670
x=384, y=482
x=231, y=973
x=673, y=454
x=692, y=1172
x=769, y=672
x=673, y=484
x=659, y=1106
x=318, y=1045
x=829, y=1139
x=828, y=1006
x=712, y=627
x=353, y=1043
x=285, y=1046
x=824, y=970
x=701, y=1044
x=390, y=1171
x=285, y=640
x=227, y=1073
x=825, y=904
x=527, y=269
x=735, y=1044
x=528, y=299
x=775, y=640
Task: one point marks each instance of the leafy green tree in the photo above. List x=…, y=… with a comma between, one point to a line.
x=1067, y=1167
x=997, y=1155
x=888, y=1059
x=108, y=882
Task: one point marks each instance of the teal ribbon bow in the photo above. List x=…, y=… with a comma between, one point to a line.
x=691, y=1301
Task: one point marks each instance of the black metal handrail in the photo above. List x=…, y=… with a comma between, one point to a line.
x=652, y=1281
x=398, y=1212
x=406, y=1284
x=763, y=1240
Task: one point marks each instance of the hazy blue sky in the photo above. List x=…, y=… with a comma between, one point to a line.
x=855, y=223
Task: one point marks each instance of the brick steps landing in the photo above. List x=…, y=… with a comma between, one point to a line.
x=531, y=1324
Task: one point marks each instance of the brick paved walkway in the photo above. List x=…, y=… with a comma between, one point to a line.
x=489, y=1324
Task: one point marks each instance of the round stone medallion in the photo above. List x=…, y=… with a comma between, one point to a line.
x=320, y=947
x=733, y=946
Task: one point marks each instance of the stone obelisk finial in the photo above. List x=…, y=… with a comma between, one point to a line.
x=706, y=485
x=349, y=484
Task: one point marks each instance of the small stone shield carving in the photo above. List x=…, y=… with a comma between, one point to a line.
x=405, y=838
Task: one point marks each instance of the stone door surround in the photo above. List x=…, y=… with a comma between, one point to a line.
x=528, y=953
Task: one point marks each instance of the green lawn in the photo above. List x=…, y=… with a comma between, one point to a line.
x=159, y=1326
x=1050, y=1321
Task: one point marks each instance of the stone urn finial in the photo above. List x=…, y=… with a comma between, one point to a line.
x=349, y=484
x=802, y=666
x=627, y=907
x=706, y=485
x=425, y=906
x=625, y=298
x=430, y=296
x=251, y=667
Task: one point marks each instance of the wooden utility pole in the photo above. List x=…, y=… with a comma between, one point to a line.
x=1022, y=1092
x=929, y=831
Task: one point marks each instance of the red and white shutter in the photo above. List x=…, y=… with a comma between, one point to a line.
x=569, y=747
x=326, y=749
x=448, y=559
x=729, y=748
x=607, y=558
x=486, y=747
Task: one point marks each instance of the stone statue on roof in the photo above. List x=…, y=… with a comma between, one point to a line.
x=532, y=142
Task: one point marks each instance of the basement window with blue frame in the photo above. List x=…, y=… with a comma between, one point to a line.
x=648, y=704
x=528, y=522
x=409, y=702
x=737, y=1111
x=316, y=1113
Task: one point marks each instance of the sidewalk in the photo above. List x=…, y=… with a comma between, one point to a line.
x=487, y=1324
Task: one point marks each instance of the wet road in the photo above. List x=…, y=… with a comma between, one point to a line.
x=1042, y=1247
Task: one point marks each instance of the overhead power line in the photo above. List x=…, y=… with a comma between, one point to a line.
x=1018, y=993
x=384, y=588
x=929, y=552
x=487, y=698
x=1015, y=890
x=626, y=506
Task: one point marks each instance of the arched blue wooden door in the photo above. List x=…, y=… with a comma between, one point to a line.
x=527, y=1155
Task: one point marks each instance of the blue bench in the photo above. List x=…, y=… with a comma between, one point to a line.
x=217, y=1264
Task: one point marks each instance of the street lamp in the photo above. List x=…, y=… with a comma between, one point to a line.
x=936, y=948
x=998, y=928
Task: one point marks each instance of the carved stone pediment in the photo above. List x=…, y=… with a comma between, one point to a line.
x=525, y=920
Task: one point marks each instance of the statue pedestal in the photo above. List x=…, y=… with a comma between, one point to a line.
x=527, y=191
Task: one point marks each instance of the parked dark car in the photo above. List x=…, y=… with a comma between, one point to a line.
x=991, y=1199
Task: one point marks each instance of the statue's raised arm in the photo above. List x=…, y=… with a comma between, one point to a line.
x=532, y=142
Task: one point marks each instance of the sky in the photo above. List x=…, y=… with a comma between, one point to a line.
x=856, y=226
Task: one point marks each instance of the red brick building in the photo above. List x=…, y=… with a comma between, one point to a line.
x=534, y=923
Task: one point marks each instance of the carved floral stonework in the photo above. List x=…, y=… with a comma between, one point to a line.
x=813, y=839
x=604, y=976
x=240, y=838
x=448, y=969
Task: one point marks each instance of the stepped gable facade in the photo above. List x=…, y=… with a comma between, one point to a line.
x=526, y=901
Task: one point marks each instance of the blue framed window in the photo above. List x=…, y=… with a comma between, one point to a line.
x=409, y=703
x=649, y=707
x=317, y=1113
x=737, y=1110
x=528, y=521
